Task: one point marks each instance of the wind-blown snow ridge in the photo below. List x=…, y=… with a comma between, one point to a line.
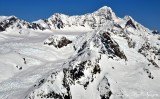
x=91, y=56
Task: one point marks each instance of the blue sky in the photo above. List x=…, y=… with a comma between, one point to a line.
x=146, y=12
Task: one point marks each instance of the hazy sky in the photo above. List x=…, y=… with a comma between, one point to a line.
x=146, y=12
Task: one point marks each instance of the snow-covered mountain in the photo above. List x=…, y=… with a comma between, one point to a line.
x=12, y=22
x=92, y=20
x=61, y=21
x=93, y=56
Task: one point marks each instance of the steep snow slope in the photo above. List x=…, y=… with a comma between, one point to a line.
x=92, y=56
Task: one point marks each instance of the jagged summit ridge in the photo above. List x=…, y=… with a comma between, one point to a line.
x=106, y=10
x=61, y=21
x=91, y=20
x=9, y=23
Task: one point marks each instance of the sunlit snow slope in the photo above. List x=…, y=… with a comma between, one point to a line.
x=92, y=56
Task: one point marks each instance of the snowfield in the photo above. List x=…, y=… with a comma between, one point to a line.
x=18, y=75
x=93, y=56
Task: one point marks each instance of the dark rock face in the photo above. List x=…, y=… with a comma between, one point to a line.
x=53, y=95
x=155, y=32
x=63, y=42
x=131, y=43
x=41, y=82
x=59, y=24
x=147, y=48
x=130, y=23
x=19, y=67
x=7, y=23
x=77, y=72
x=111, y=46
x=56, y=21
x=58, y=43
x=73, y=74
x=118, y=26
x=148, y=73
x=153, y=63
x=35, y=26
x=96, y=69
x=25, y=62
x=104, y=89
x=1, y=29
x=83, y=47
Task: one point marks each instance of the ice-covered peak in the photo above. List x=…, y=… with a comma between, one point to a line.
x=57, y=15
x=105, y=10
x=3, y=18
x=131, y=22
x=12, y=16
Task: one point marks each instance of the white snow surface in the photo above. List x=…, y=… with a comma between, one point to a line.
x=40, y=60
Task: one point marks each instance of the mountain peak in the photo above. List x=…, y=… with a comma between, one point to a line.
x=127, y=17
x=2, y=18
x=105, y=7
x=105, y=10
